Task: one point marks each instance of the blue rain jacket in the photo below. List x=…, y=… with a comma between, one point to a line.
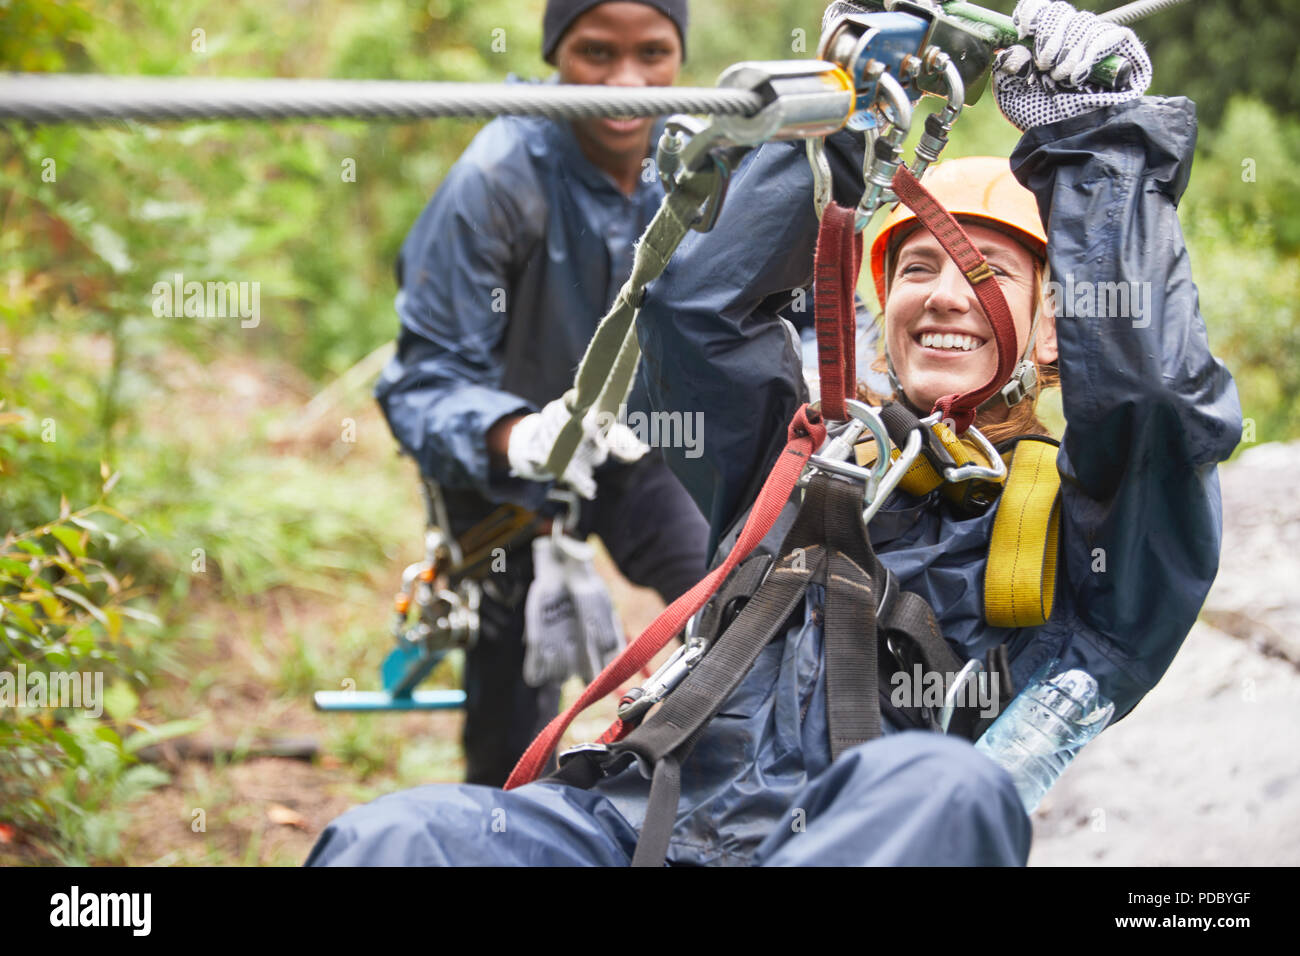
x=502, y=281
x=1150, y=412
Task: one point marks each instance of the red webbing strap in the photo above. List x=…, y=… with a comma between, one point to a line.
x=804, y=436
x=961, y=407
x=835, y=276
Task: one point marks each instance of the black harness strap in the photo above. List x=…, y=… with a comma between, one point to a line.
x=667, y=736
x=831, y=514
x=852, y=701
x=864, y=635
x=583, y=767
x=740, y=584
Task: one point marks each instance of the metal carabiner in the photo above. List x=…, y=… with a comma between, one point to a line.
x=862, y=417
x=893, y=475
x=884, y=476
x=939, y=125
x=821, y=170
x=974, y=667
x=887, y=154
x=663, y=682
x=996, y=470
x=562, y=528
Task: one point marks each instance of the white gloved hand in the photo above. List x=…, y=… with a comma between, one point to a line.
x=1051, y=83
x=534, y=435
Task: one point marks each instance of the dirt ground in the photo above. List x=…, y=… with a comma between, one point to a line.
x=270, y=810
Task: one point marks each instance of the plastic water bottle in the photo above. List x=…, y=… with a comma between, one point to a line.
x=1043, y=729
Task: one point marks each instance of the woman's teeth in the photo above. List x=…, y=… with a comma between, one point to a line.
x=959, y=343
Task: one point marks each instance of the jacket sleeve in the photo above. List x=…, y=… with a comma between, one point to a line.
x=442, y=391
x=711, y=337
x=1149, y=409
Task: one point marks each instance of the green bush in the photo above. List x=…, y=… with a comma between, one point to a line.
x=66, y=621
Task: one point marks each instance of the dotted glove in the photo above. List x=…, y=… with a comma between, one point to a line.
x=1051, y=82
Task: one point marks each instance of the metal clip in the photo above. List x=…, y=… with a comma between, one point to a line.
x=862, y=417
x=566, y=755
x=939, y=125
x=637, y=701
x=821, y=170
x=562, y=528
x=995, y=471
x=897, y=469
x=804, y=100
x=974, y=667
x=884, y=476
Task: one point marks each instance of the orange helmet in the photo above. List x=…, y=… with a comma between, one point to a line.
x=977, y=186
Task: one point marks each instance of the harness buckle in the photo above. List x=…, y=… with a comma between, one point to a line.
x=995, y=471
x=1023, y=384
x=639, y=700
x=980, y=273
x=884, y=476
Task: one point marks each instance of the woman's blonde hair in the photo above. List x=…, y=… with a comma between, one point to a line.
x=1022, y=419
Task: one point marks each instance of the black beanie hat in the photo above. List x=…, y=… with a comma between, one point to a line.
x=560, y=15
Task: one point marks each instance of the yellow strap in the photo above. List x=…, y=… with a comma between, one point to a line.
x=1020, y=577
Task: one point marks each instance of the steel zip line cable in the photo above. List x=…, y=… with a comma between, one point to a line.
x=1132, y=12
x=88, y=98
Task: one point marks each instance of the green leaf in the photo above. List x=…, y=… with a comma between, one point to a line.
x=120, y=701
x=173, y=728
x=76, y=598
x=85, y=523
x=16, y=567
x=70, y=539
x=23, y=616
x=142, y=778
x=73, y=571
x=106, y=733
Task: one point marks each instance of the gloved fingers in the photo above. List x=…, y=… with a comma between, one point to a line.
x=623, y=444
x=1052, y=83
x=551, y=627
x=579, y=475
x=1087, y=46
x=1014, y=61
x=526, y=450
x=581, y=481
x=1118, y=40
x=1051, y=29
x=533, y=437
x=1026, y=16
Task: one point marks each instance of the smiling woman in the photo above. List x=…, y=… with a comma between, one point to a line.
x=937, y=339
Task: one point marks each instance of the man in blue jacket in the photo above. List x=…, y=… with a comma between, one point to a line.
x=502, y=281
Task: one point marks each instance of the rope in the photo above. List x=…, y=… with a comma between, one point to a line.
x=88, y=98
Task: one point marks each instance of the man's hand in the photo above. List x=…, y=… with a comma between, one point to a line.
x=1051, y=83
x=533, y=436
